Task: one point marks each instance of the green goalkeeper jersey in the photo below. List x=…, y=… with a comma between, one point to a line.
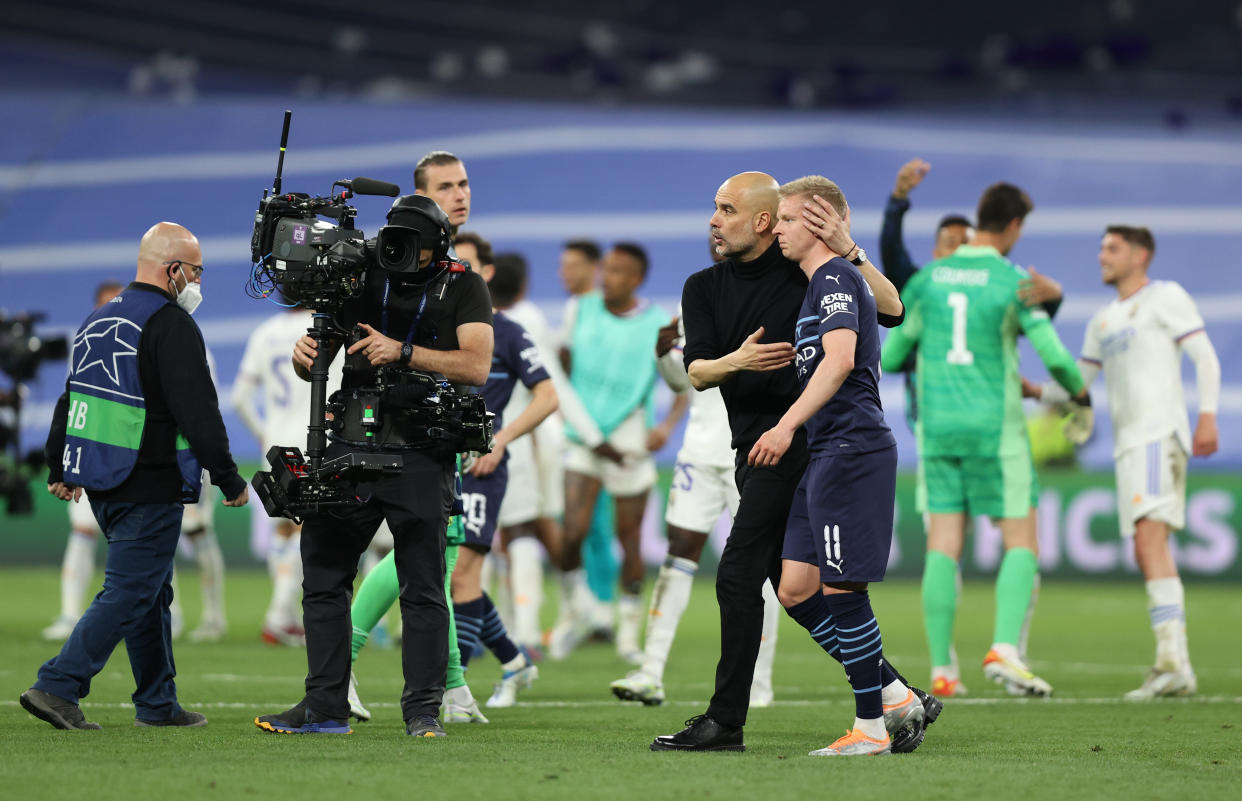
x=964, y=314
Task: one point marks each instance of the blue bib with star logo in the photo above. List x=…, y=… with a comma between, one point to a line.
x=107, y=409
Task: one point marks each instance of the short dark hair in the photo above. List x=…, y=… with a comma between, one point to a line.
x=107, y=286
x=1139, y=235
x=636, y=250
x=509, y=279
x=1002, y=203
x=954, y=219
x=436, y=158
x=480, y=244
x=587, y=247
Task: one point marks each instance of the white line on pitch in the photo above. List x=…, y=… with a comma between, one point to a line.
x=258, y=705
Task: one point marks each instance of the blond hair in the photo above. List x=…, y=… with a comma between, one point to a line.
x=816, y=185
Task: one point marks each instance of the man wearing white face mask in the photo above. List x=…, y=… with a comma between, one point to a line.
x=136, y=427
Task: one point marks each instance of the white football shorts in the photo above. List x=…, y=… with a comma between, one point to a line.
x=1151, y=482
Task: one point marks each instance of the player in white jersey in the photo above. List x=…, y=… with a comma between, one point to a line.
x=703, y=488
x=536, y=476
x=78, y=567
x=1138, y=341
x=266, y=371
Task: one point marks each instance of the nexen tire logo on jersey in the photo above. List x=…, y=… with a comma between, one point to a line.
x=835, y=303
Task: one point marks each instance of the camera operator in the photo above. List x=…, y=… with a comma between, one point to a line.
x=436, y=319
x=136, y=426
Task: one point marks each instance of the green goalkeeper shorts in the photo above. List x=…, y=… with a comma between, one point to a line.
x=998, y=486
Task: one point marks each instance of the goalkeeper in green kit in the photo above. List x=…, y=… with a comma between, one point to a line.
x=964, y=314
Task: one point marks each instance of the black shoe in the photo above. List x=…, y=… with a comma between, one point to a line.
x=701, y=734
x=905, y=740
x=425, y=726
x=184, y=718
x=55, y=710
x=300, y=720
x=931, y=705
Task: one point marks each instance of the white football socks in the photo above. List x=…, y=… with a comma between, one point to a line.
x=767, y=643
x=526, y=581
x=284, y=562
x=872, y=727
x=894, y=693
x=1166, y=605
x=77, y=570
x=630, y=622
x=211, y=578
x=669, y=599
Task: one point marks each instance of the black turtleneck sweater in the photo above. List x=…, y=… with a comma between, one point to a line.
x=726, y=303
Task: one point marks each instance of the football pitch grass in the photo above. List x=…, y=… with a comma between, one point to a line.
x=568, y=738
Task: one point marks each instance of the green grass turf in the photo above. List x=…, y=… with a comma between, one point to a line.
x=569, y=739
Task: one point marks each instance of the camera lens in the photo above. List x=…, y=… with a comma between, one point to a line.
x=398, y=248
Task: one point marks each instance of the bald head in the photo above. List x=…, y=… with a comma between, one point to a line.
x=741, y=226
x=167, y=242
x=756, y=191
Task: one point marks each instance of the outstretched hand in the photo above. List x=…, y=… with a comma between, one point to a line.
x=758, y=357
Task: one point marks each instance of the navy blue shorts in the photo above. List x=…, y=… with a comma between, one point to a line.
x=842, y=516
x=480, y=498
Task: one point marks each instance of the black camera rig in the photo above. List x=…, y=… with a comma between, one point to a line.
x=320, y=265
x=22, y=352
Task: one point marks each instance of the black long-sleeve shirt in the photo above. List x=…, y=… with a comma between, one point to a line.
x=727, y=302
x=180, y=397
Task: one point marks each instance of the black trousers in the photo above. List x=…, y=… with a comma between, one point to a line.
x=752, y=555
x=416, y=505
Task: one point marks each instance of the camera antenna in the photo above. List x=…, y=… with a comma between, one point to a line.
x=280, y=159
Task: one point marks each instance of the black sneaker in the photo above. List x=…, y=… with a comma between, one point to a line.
x=425, y=726
x=300, y=720
x=931, y=705
x=55, y=710
x=184, y=718
x=701, y=734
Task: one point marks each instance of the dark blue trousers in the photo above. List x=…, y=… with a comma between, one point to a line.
x=133, y=606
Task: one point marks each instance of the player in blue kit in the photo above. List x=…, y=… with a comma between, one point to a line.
x=515, y=358
x=841, y=522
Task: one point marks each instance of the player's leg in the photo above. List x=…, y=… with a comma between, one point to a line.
x=630, y=484
x=1002, y=489
x=669, y=599
x=1156, y=509
x=478, y=622
x=198, y=525
x=630, y=510
x=519, y=510
x=375, y=596
x=582, y=489
x=77, y=569
x=282, y=623
x=459, y=704
x=526, y=582
x=851, y=500
x=603, y=571
x=941, y=496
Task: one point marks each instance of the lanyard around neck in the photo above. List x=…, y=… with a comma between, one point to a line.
x=422, y=305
